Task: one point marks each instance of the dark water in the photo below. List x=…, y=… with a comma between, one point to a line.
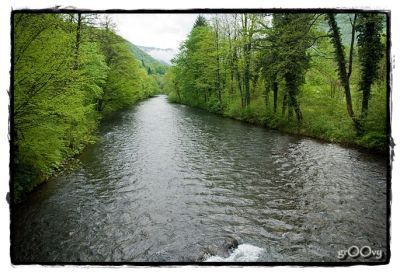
x=168, y=182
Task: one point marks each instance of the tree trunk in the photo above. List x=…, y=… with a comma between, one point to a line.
x=78, y=41
x=292, y=91
x=266, y=95
x=240, y=88
x=296, y=106
x=218, y=81
x=231, y=87
x=353, y=34
x=246, y=74
x=284, y=104
x=370, y=52
x=238, y=78
x=290, y=111
x=247, y=37
x=275, y=89
x=341, y=63
x=365, y=100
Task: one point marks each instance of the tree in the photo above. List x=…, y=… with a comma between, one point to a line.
x=201, y=21
x=239, y=60
x=341, y=63
x=217, y=54
x=370, y=50
x=248, y=29
x=292, y=36
x=67, y=74
x=200, y=67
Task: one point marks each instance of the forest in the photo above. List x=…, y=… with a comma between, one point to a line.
x=318, y=75
x=70, y=70
x=187, y=138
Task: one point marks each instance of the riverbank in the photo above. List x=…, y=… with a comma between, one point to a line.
x=25, y=179
x=61, y=91
x=168, y=183
x=342, y=132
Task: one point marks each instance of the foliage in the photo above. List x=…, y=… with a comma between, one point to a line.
x=126, y=81
x=270, y=64
x=63, y=84
x=370, y=51
x=195, y=75
x=154, y=68
x=146, y=60
x=70, y=71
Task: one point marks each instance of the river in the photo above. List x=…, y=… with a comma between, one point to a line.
x=170, y=183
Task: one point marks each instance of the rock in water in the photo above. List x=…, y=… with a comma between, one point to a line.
x=222, y=247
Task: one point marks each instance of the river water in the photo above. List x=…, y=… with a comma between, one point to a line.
x=169, y=183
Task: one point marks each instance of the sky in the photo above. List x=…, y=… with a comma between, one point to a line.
x=155, y=30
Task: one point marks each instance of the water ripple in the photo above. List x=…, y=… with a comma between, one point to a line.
x=168, y=183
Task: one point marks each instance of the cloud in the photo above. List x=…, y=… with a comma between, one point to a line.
x=163, y=55
x=156, y=30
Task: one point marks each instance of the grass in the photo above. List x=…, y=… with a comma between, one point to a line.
x=322, y=119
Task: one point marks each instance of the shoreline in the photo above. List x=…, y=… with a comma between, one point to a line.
x=343, y=143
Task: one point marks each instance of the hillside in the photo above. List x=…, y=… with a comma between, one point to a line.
x=164, y=55
x=152, y=65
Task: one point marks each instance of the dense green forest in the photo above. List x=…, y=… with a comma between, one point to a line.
x=320, y=75
x=69, y=71
x=153, y=67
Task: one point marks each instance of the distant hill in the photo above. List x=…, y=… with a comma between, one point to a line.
x=164, y=55
x=152, y=65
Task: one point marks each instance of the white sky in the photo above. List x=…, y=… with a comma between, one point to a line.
x=156, y=30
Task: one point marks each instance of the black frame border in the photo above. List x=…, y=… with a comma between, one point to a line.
x=389, y=154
